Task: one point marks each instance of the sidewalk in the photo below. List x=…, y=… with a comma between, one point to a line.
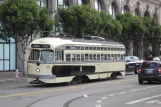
x=10, y=77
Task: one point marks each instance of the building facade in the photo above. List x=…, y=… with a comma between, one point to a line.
x=8, y=57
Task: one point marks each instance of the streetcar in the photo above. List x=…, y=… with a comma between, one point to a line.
x=67, y=60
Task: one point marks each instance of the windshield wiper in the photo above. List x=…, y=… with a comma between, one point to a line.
x=41, y=57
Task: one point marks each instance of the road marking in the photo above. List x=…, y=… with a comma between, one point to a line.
x=153, y=101
x=144, y=88
x=122, y=93
x=144, y=99
x=99, y=101
x=98, y=105
x=159, y=102
x=103, y=98
x=112, y=95
x=67, y=88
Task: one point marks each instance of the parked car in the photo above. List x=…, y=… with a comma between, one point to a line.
x=132, y=64
x=149, y=71
x=156, y=59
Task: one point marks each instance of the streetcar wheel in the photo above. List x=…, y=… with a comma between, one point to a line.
x=74, y=81
x=113, y=76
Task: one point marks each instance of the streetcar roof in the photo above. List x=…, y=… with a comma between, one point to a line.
x=55, y=42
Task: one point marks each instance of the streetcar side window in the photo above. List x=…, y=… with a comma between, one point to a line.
x=73, y=57
x=98, y=57
x=58, y=55
x=78, y=57
x=102, y=57
x=68, y=57
x=82, y=57
x=94, y=57
x=90, y=57
x=109, y=57
x=86, y=57
x=106, y=57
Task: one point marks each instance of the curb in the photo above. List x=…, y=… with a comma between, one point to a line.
x=11, y=80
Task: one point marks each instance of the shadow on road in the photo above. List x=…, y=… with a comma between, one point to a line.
x=66, y=84
x=152, y=83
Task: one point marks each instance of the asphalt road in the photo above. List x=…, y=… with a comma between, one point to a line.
x=123, y=92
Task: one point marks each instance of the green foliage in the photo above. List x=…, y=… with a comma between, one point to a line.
x=109, y=27
x=153, y=34
x=133, y=28
x=126, y=28
x=83, y=20
x=22, y=18
x=79, y=19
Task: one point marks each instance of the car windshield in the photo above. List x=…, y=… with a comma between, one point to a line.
x=132, y=59
x=150, y=65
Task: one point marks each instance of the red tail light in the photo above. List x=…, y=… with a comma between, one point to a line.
x=159, y=70
x=139, y=70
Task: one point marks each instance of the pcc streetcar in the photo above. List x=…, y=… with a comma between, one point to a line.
x=57, y=60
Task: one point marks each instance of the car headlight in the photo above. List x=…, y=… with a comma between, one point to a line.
x=38, y=70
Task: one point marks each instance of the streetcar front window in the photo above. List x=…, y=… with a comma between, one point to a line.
x=47, y=55
x=44, y=55
x=34, y=55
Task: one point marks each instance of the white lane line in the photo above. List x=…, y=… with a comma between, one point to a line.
x=103, y=98
x=143, y=88
x=144, y=99
x=99, y=101
x=122, y=93
x=98, y=105
x=153, y=101
x=159, y=102
x=112, y=95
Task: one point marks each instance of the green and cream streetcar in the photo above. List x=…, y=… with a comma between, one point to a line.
x=57, y=60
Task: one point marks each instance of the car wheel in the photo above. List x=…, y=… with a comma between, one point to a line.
x=140, y=81
x=136, y=70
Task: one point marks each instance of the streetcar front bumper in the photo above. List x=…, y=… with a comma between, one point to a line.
x=38, y=79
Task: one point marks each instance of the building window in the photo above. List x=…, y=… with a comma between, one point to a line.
x=81, y=2
x=137, y=13
x=42, y=3
x=7, y=55
x=98, y=5
x=126, y=9
x=113, y=10
x=62, y=3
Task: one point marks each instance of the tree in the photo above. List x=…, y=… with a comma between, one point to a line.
x=109, y=28
x=21, y=19
x=153, y=35
x=133, y=29
x=79, y=20
x=83, y=20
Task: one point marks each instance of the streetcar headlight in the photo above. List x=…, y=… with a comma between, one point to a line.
x=38, y=70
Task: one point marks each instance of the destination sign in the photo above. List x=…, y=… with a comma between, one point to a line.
x=40, y=46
